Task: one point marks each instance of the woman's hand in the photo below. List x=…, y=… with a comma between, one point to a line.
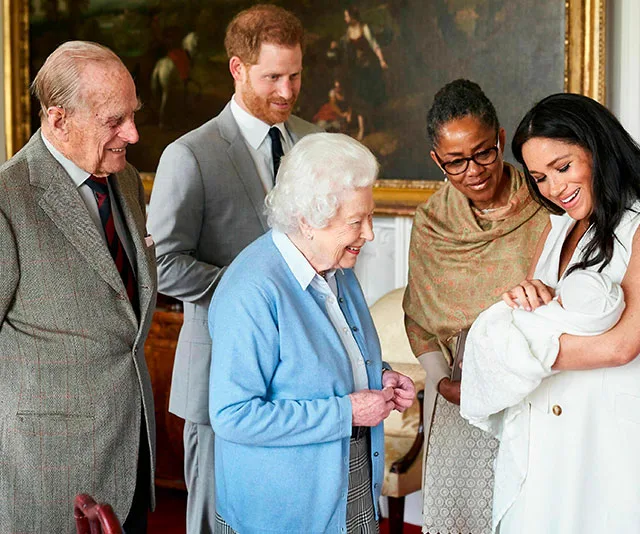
x=530, y=294
x=450, y=390
x=370, y=407
x=404, y=390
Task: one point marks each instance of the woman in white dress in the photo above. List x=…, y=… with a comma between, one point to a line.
x=583, y=466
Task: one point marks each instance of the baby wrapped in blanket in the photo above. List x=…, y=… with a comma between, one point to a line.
x=509, y=352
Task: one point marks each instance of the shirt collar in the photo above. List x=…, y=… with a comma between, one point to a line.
x=253, y=129
x=302, y=270
x=76, y=173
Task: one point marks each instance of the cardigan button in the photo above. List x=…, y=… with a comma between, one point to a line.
x=376, y=453
x=557, y=410
x=368, y=362
x=354, y=328
x=341, y=300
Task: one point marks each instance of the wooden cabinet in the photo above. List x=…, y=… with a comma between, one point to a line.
x=160, y=351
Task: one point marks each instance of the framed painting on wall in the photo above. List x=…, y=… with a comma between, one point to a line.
x=376, y=87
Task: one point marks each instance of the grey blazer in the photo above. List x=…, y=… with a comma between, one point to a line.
x=206, y=206
x=73, y=375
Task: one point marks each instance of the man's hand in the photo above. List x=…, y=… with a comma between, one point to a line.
x=403, y=388
x=370, y=407
x=450, y=390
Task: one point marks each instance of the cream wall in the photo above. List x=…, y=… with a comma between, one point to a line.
x=623, y=65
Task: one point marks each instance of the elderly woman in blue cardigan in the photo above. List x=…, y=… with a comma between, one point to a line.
x=298, y=391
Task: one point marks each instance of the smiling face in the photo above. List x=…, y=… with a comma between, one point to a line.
x=485, y=186
x=338, y=244
x=563, y=174
x=99, y=130
x=269, y=89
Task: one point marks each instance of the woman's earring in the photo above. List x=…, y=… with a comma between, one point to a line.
x=310, y=237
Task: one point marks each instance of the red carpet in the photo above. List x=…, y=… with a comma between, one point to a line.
x=169, y=517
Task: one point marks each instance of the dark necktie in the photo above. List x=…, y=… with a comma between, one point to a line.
x=276, y=150
x=101, y=191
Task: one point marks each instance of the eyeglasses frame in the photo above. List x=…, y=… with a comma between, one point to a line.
x=468, y=159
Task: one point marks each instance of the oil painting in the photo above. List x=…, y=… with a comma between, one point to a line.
x=371, y=67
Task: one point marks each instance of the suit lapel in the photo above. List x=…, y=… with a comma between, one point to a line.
x=295, y=137
x=64, y=206
x=243, y=163
x=133, y=219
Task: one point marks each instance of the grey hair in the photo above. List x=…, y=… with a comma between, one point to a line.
x=313, y=178
x=58, y=80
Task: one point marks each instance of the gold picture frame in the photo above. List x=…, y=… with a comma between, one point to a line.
x=584, y=72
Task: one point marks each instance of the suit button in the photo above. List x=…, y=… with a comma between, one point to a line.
x=557, y=410
x=135, y=351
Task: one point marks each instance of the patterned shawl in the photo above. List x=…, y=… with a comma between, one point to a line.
x=460, y=261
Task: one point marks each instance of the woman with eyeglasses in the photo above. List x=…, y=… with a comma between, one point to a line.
x=473, y=240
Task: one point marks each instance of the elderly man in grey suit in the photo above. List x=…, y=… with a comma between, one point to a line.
x=77, y=292
x=207, y=205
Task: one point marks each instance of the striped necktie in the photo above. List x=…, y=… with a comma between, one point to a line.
x=101, y=191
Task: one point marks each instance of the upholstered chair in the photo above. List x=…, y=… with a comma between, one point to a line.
x=403, y=433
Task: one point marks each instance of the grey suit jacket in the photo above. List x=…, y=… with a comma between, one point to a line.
x=73, y=375
x=206, y=206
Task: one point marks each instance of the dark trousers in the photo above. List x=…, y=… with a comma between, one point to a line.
x=136, y=522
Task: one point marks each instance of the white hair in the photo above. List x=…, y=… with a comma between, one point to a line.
x=313, y=178
x=58, y=82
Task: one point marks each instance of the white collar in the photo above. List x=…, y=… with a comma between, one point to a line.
x=253, y=129
x=302, y=270
x=78, y=175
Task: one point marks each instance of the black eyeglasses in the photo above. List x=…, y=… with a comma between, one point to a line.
x=460, y=165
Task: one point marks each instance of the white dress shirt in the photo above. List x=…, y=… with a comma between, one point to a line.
x=79, y=178
x=256, y=136
x=306, y=276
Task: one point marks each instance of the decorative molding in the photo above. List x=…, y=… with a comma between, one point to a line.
x=624, y=70
x=402, y=197
x=585, y=48
x=383, y=263
x=17, y=103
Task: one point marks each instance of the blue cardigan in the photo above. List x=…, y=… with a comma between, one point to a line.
x=279, y=406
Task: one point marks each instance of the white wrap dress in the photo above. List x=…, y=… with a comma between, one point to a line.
x=583, y=464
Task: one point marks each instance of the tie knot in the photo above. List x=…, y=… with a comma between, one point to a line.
x=98, y=184
x=274, y=133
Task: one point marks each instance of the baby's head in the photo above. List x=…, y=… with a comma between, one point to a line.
x=588, y=292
